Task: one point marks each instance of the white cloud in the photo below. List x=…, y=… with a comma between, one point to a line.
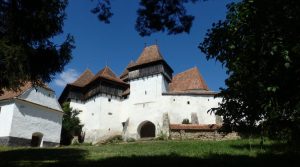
x=68, y=76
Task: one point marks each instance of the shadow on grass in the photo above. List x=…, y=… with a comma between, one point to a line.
x=76, y=157
x=30, y=156
x=270, y=148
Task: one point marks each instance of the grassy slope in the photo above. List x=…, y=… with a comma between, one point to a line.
x=155, y=153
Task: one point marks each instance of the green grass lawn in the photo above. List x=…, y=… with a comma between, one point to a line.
x=156, y=153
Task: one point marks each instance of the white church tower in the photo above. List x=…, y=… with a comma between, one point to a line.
x=149, y=76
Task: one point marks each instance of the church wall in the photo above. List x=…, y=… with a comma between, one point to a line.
x=182, y=107
x=100, y=116
x=145, y=102
x=147, y=88
x=41, y=96
x=31, y=118
x=139, y=112
x=6, y=115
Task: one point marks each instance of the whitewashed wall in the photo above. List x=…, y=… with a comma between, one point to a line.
x=147, y=88
x=100, y=117
x=6, y=115
x=41, y=96
x=30, y=118
x=145, y=103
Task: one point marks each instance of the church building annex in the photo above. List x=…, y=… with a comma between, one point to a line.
x=144, y=101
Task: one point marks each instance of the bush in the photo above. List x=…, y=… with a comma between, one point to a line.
x=185, y=121
x=162, y=136
x=112, y=139
x=130, y=139
x=71, y=125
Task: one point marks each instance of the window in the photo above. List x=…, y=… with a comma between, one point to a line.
x=109, y=113
x=188, y=102
x=173, y=99
x=145, y=92
x=109, y=99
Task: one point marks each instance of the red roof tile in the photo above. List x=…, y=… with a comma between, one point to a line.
x=8, y=94
x=84, y=78
x=188, y=80
x=149, y=54
x=108, y=74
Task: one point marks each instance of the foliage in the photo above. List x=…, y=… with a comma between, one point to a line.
x=185, y=121
x=130, y=139
x=71, y=125
x=259, y=44
x=154, y=16
x=162, y=136
x=26, y=50
x=111, y=139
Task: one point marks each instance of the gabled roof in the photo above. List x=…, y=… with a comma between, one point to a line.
x=108, y=74
x=8, y=94
x=149, y=54
x=188, y=80
x=11, y=94
x=84, y=78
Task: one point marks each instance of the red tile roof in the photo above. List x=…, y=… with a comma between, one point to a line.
x=84, y=78
x=200, y=127
x=8, y=94
x=108, y=74
x=187, y=81
x=149, y=54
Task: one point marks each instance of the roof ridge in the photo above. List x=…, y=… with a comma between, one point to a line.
x=86, y=70
x=8, y=94
x=107, y=73
x=190, y=79
x=190, y=69
x=81, y=81
x=149, y=54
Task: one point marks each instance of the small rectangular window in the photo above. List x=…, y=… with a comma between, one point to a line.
x=109, y=100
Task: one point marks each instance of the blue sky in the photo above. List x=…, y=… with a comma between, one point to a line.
x=115, y=44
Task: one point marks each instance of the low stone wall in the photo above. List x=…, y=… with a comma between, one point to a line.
x=202, y=135
x=202, y=132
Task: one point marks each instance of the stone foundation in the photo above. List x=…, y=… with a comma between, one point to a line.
x=202, y=135
x=16, y=141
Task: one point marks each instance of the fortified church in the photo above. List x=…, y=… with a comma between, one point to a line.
x=146, y=100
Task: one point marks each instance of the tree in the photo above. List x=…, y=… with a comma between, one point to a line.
x=71, y=125
x=259, y=44
x=154, y=16
x=26, y=50
x=27, y=27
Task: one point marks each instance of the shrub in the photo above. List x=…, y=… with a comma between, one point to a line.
x=185, y=121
